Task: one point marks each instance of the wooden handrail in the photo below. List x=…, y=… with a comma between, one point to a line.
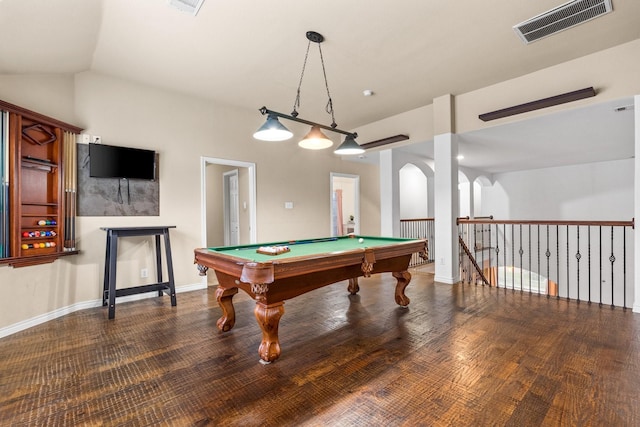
x=416, y=219
x=548, y=222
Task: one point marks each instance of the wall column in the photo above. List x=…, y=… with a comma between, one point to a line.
x=446, y=192
x=472, y=201
x=389, y=195
x=430, y=197
x=636, y=205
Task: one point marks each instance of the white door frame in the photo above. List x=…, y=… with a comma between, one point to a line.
x=356, y=202
x=251, y=167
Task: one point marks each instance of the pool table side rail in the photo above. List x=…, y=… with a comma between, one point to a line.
x=293, y=266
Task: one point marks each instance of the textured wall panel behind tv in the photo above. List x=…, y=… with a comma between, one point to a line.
x=111, y=197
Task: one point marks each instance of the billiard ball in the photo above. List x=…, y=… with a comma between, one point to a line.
x=25, y=246
x=42, y=222
x=25, y=234
x=360, y=240
x=53, y=244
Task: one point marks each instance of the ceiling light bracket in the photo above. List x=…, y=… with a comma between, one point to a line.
x=315, y=37
x=265, y=111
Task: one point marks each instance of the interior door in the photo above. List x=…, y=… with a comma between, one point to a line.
x=232, y=208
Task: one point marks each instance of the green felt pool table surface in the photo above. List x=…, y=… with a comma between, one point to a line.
x=305, y=248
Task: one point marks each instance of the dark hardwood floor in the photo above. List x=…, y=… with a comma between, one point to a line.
x=459, y=355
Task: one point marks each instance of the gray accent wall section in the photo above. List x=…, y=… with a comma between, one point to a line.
x=112, y=196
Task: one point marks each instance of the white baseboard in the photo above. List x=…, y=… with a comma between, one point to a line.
x=447, y=280
x=34, y=321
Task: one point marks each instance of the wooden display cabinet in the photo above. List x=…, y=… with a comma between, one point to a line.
x=36, y=188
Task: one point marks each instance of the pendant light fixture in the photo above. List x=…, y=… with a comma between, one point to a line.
x=273, y=130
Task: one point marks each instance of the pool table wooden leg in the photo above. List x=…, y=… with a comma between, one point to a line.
x=268, y=317
x=353, y=287
x=403, y=277
x=225, y=301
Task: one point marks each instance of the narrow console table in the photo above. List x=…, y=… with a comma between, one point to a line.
x=110, y=292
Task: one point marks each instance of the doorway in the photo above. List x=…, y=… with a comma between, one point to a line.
x=231, y=210
x=216, y=176
x=345, y=204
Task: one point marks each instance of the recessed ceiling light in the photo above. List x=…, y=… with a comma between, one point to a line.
x=460, y=157
x=367, y=92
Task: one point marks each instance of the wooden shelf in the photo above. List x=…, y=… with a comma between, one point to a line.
x=37, y=164
x=38, y=147
x=39, y=204
x=25, y=261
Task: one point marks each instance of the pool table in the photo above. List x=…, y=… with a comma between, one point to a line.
x=306, y=265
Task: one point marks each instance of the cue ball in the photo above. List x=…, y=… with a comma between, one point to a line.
x=361, y=240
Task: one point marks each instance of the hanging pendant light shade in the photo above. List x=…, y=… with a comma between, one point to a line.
x=349, y=147
x=272, y=130
x=315, y=140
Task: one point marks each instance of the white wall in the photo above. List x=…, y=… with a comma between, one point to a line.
x=182, y=129
x=595, y=191
x=413, y=193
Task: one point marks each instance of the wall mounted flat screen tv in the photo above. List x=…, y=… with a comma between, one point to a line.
x=109, y=161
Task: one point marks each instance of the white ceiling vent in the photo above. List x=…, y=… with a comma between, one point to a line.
x=189, y=6
x=561, y=18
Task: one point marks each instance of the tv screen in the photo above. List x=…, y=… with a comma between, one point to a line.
x=109, y=161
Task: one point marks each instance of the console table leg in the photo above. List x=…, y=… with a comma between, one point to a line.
x=105, y=282
x=158, y=263
x=172, y=285
x=112, y=261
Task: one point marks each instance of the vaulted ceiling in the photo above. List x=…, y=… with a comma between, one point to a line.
x=249, y=53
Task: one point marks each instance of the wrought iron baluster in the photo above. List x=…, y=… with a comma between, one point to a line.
x=600, y=262
x=612, y=258
x=490, y=262
x=589, y=259
x=558, y=259
x=529, y=229
x=475, y=248
x=504, y=255
x=624, y=268
x=548, y=255
x=578, y=256
x=513, y=257
x=538, y=257
x=520, y=252
x=568, y=282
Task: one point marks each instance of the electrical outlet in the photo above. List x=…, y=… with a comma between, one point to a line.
x=144, y=273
